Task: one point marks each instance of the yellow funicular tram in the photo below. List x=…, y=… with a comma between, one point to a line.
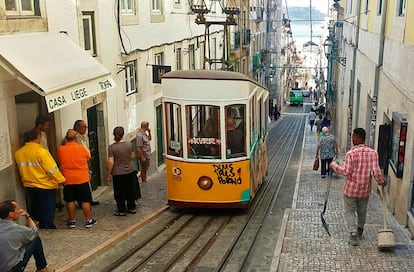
x=215, y=129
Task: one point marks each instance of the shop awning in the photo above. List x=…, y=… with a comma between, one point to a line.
x=55, y=67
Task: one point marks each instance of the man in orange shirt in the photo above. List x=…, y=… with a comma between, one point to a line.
x=73, y=159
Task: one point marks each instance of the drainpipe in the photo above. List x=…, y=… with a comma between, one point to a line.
x=380, y=57
x=352, y=83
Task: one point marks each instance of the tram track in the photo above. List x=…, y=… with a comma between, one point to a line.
x=208, y=240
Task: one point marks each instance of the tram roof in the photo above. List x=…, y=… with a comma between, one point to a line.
x=210, y=75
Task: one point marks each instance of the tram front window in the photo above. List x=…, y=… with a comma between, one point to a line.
x=203, y=124
x=235, y=131
x=173, y=129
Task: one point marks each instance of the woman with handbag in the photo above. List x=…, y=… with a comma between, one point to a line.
x=121, y=173
x=327, y=150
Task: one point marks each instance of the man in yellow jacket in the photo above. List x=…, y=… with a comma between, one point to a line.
x=41, y=177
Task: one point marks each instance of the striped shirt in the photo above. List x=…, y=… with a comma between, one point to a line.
x=361, y=163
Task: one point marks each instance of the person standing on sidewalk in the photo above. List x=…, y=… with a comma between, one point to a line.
x=361, y=163
x=73, y=159
x=327, y=150
x=143, y=142
x=40, y=177
x=312, y=117
x=19, y=243
x=82, y=137
x=121, y=173
x=42, y=124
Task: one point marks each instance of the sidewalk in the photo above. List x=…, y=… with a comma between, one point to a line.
x=303, y=244
x=67, y=249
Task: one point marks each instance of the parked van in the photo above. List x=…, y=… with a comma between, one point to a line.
x=296, y=97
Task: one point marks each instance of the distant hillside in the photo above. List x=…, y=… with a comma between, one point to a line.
x=302, y=13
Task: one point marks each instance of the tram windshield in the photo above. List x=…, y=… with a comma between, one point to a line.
x=203, y=131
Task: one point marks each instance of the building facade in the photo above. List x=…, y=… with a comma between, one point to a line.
x=374, y=90
x=101, y=61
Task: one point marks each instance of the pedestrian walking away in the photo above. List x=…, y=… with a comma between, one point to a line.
x=318, y=123
x=82, y=138
x=312, y=117
x=122, y=175
x=41, y=177
x=143, y=143
x=19, y=243
x=327, y=150
x=73, y=159
x=361, y=164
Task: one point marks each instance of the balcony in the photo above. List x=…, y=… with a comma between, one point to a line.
x=257, y=61
x=245, y=39
x=257, y=14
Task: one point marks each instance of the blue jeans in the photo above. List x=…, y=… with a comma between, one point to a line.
x=34, y=248
x=355, y=212
x=43, y=206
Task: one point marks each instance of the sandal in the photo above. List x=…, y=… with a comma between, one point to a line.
x=120, y=214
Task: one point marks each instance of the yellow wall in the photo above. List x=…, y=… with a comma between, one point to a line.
x=390, y=17
x=372, y=14
x=409, y=23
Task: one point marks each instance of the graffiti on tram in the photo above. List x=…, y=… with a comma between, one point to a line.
x=226, y=174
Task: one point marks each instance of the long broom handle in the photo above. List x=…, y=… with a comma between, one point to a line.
x=384, y=206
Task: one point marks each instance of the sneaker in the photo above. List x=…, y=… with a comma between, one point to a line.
x=323, y=176
x=71, y=224
x=90, y=223
x=359, y=234
x=353, y=239
x=120, y=213
x=132, y=211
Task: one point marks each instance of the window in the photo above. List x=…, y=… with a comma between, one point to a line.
x=127, y=6
x=235, y=131
x=379, y=7
x=366, y=6
x=203, y=131
x=401, y=7
x=174, y=130
x=156, y=6
x=202, y=57
x=178, y=59
x=159, y=58
x=191, y=53
x=88, y=23
x=20, y=7
x=131, y=77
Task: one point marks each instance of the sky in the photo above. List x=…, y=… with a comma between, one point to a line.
x=321, y=5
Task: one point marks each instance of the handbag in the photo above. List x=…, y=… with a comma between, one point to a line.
x=316, y=164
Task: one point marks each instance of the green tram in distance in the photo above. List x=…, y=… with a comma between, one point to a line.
x=296, y=97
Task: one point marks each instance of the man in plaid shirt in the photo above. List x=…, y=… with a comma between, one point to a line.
x=361, y=163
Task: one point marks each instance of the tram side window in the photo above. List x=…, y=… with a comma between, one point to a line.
x=235, y=131
x=203, y=125
x=174, y=129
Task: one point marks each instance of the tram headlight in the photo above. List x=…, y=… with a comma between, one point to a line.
x=205, y=183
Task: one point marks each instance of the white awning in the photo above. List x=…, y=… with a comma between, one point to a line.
x=55, y=67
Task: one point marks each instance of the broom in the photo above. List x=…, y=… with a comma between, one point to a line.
x=324, y=224
x=386, y=240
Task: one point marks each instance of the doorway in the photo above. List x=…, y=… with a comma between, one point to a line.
x=95, y=128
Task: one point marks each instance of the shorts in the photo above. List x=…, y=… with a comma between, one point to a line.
x=145, y=165
x=77, y=192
